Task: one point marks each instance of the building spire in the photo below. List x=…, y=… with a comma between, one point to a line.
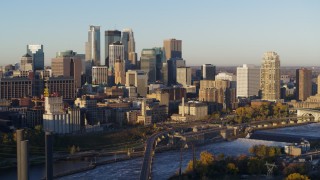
x=46, y=90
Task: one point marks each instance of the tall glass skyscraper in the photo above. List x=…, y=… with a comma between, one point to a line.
x=148, y=63
x=208, y=72
x=36, y=51
x=128, y=43
x=93, y=45
x=111, y=36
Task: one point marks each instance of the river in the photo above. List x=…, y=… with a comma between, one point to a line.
x=165, y=164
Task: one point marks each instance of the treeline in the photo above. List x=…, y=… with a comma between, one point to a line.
x=262, y=112
x=209, y=166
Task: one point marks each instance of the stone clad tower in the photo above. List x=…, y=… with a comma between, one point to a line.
x=270, y=76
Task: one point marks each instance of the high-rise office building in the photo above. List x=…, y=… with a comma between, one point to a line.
x=208, y=72
x=62, y=86
x=219, y=92
x=15, y=87
x=270, y=77
x=67, y=64
x=99, y=75
x=128, y=43
x=248, y=81
x=133, y=58
x=111, y=36
x=148, y=63
x=172, y=65
x=119, y=72
x=26, y=63
x=172, y=48
x=36, y=51
x=160, y=59
x=116, y=51
x=304, y=83
x=93, y=45
x=139, y=79
x=184, y=76
x=164, y=73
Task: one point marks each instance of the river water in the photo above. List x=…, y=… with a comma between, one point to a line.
x=166, y=164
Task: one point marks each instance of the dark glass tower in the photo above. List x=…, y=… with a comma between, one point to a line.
x=36, y=51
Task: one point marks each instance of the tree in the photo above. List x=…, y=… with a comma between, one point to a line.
x=297, y=176
x=206, y=158
x=73, y=149
x=294, y=168
x=232, y=169
x=7, y=138
x=190, y=166
x=256, y=166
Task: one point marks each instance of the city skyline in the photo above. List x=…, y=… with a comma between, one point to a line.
x=213, y=32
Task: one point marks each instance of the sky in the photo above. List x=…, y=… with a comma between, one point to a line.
x=224, y=32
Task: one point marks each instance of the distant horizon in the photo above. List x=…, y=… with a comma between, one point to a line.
x=228, y=33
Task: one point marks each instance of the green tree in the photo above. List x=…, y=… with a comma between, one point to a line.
x=255, y=166
x=294, y=168
x=297, y=176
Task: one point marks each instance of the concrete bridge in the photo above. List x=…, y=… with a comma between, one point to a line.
x=311, y=113
x=151, y=143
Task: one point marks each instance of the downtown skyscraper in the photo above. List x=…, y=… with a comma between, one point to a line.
x=116, y=51
x=129, y=46
x=303, y=83
x=110, y=36
x=270, y=76
x=248, y=81
x=36, y=51
x=93, y=45
x=208, y=72
x=172, y=48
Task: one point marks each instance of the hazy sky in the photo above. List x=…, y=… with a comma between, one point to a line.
x=225, y=32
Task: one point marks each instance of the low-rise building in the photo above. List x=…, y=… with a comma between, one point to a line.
x=192, y=110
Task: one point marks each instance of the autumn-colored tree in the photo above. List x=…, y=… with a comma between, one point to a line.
x=206, y=158
x=263, y=151
x=297, y=176
x=190, y=166
x=232, y=169
x=294, y=168
x=73, y=149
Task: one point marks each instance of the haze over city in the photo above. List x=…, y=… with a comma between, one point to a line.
x=216, y=32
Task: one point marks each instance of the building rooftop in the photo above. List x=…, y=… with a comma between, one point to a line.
x=26, y=55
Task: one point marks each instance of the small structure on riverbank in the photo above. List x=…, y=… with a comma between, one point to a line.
x=297, y=149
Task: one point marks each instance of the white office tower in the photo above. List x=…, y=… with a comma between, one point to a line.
x=248, y=81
